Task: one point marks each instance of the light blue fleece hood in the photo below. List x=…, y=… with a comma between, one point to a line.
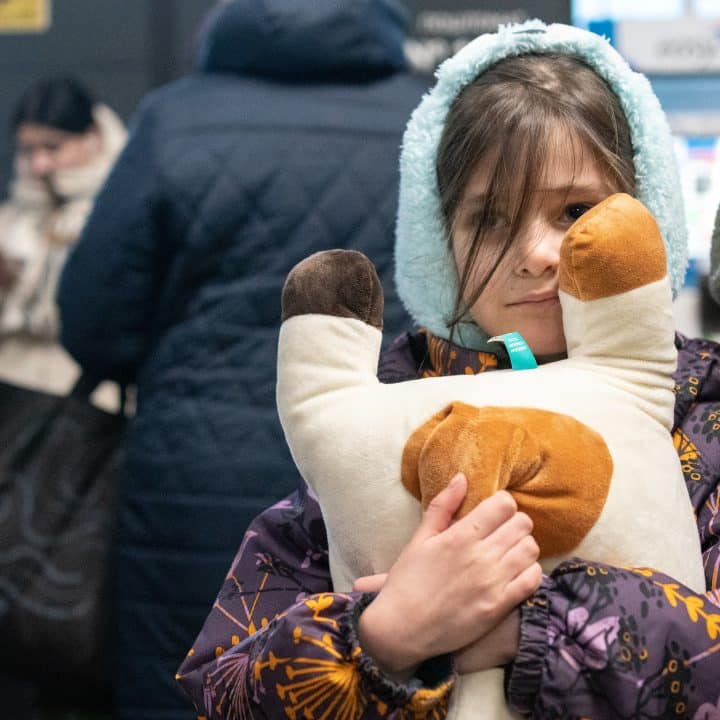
x=425, y=273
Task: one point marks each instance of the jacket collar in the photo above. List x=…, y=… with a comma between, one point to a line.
x=443, y=357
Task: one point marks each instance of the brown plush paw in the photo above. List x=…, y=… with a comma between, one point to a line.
x=613, y=248
x=341, y=283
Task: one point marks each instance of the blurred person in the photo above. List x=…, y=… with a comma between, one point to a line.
x=65, y=145
x=285, y=141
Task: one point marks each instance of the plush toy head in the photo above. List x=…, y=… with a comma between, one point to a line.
x=583, y=444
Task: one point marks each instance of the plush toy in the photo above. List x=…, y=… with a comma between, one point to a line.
x=583, y=444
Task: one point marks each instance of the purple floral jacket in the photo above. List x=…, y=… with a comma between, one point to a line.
x=596, y=641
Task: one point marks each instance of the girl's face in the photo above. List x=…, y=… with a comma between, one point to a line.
x=43, y=150
x=522, y=294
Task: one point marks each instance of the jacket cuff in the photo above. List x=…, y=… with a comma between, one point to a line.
x=430, y=686
x=523, y=676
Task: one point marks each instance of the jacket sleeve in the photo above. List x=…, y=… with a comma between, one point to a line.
x=113, y=276
x=603, y=642
x=607, y=643
x=279, y=643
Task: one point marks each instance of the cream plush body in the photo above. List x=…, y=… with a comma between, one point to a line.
x=347, y=431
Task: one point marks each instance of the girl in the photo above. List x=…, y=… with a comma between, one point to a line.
x=65, y=146
x=524, y=131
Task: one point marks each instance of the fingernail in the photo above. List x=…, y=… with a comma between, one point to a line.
x=456, y=480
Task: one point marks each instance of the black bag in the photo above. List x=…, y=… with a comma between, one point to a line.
x=61, y=460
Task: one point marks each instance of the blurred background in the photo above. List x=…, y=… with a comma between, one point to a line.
x=122, y=50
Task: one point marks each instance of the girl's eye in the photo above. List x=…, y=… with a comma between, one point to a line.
x=489, y=223
x=573, y=212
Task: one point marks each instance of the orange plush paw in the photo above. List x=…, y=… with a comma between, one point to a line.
x=613, y=248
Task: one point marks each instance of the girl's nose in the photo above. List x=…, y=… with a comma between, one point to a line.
x=541, y=253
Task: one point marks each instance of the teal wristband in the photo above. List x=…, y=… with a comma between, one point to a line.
x=521, y=356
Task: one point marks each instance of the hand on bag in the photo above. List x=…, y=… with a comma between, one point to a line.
x=453, y=583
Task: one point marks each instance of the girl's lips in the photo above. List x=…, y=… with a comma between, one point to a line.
x=538, y=299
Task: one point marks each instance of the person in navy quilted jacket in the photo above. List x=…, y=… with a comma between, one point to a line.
x=285, y=141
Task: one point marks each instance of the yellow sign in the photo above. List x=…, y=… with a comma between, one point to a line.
x=24, y=16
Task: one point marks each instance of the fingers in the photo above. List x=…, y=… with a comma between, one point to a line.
x=515, y=553
x=439, y=513
x=520, y=556
x=524, y=585
x=509, y=534
x=489, y=515
x=507, y=544
x=370, y=583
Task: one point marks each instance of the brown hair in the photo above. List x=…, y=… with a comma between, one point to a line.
x=510, y=117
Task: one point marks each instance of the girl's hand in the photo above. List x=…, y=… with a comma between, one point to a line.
x=497, y=648
x=453, y=583
x=370, y=583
